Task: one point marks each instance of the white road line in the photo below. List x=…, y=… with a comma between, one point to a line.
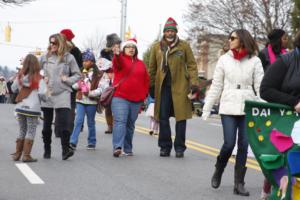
x=32, y=177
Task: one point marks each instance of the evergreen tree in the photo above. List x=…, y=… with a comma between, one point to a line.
x=296, y=17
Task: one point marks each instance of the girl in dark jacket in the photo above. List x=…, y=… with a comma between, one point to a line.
x=278, y=41
x=276, y=46
x=281, y=83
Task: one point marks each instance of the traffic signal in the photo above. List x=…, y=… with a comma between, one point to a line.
x=7, y=33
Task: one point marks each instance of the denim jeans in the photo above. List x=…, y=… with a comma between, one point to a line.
x=82, y=110
x=233, y=125
x=166, y=111
x=125, y=114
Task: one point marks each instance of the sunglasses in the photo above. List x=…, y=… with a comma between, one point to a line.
x=232, y=38
x=53, y=43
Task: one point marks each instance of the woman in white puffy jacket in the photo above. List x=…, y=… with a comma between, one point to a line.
x=236, y=78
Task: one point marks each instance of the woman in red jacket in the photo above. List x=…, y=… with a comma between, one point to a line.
x=132, y=83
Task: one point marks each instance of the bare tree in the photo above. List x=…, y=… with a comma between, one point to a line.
x=14, y=2
x=95, y=42
x=222, y=16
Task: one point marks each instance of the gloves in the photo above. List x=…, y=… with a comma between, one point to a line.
x=194, y=89
x=152, y=91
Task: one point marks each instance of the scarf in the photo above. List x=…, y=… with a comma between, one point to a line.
x=238, y=55
x=166, y=48
x=272, y=55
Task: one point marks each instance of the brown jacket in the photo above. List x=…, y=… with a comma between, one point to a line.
x=184, y=73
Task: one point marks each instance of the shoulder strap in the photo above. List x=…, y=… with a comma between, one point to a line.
x=125, y=77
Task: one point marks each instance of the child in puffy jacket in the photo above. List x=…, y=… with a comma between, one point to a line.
x=32, y=89
x=89, y=89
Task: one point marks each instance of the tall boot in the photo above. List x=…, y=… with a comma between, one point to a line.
x=19, y=148
x=109, y=121
x=67, y=151
x=239, y=176
x=27, y=150
x=217, y=176
x=47, y=153
x=47, y=143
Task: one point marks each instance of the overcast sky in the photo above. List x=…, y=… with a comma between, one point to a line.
x=33, y=23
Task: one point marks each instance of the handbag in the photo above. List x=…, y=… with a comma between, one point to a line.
x=107, y=95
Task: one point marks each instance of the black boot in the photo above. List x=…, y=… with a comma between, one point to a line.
x=217, y=176
x=67, y=152
x=47, y=144
x=47, y=153
x=239, y=175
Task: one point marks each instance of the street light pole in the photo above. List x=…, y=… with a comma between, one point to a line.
x=123, y=19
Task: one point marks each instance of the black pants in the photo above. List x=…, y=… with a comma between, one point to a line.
x=61, y=125
x=166, y=111
x=72, y=111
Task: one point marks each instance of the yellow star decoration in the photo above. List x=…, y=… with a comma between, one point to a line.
x=268, y=123
x=251, y=124
x=260, y=138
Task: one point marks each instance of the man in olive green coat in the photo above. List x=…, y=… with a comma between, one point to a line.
x=173, y=75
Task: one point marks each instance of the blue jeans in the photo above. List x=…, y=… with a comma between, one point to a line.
x=125, y=114
x=233, y=125
x=90, y=111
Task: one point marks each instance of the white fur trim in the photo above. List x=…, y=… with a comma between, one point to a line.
x=128, y=42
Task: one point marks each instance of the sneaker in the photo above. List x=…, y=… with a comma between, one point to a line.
x=91, y=147
x=117, y=152
x=128, y=153
x=73, y=146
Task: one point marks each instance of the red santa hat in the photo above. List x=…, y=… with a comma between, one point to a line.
x=131, y=41
x=68, y=34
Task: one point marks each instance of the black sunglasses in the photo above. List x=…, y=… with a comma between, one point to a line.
x=232, y=38
x=53, y=43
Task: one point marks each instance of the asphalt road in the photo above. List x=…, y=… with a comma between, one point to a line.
x=96, y=174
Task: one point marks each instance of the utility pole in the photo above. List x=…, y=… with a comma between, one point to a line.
x=123, y=19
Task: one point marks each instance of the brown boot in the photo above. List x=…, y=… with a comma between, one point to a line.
x=19, y=148
x=27, y=150
x=109, y=120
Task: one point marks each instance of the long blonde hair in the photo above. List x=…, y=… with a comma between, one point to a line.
x=62, y=46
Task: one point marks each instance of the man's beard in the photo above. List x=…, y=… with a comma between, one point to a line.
x=170, y=39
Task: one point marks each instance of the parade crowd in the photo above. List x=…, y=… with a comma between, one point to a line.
x=65, y=86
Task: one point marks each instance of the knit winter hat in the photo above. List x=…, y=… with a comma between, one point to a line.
x=276, y=34
x=68, y=34
x=88, y=55
x=170, y=24
x=112, y=39
x=131, y=41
